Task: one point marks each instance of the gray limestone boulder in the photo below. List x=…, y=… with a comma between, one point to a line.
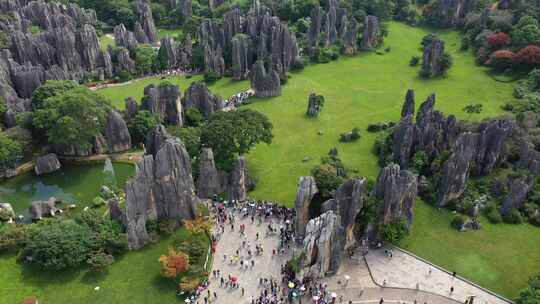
x=47, y=164
x=408, y=105
x=448, y=13
x=431, y=59
x=116, y=213
x=264, y=81
x=349, y=38
x=164, y=101
x=117, y=133
x=208, y=181
x=124, y=38
x=155, y=139
x=403, y=139
x=397, y=190
x=198, y=96
x=529, y=158
x=315, y=105
x=307, y=188
x=241, y=56
x=519, y=188
x=124, y=61
x=323, y=245
x=131, y=107
x=41, y=209
x=238, y=181
x=491, y=145
x=146, y=20
x=371, y=38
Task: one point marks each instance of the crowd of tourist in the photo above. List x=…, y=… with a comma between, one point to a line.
x=238, y=99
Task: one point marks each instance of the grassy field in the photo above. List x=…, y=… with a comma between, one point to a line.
x=173, y=33
x=500, y=257
x=133, y=278
x=105, y=41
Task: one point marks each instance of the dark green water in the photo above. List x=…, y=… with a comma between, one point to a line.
x=77, y=184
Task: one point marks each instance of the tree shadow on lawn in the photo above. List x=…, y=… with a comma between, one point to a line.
x=164, y=285
x=92, y=278
x=42, y=278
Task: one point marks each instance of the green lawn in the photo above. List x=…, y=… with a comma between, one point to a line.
x=173, y=33
x=105, y=41
x=134, y=278
x=499, y=257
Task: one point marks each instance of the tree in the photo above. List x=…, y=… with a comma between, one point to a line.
x=99, y=262
x=3, y=110
x=235, y=133
x=73, y=117
x=501, y=60
x=174, y=263
x=10, y=152
x=529, y=55
x=145, y=58
x=57, y=245
x=446, y=62
x=473, y=109
x=327, y=179
x=194, y=117
x=526, y=31
x=141, y=124
x=498, y=40
x=49, y=89
x=530, y=294
x=191, y=137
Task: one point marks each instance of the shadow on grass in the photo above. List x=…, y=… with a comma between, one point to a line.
x=93, y=277
x=42, y=278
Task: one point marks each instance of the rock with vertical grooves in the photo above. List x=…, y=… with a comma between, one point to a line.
x=40, y=209
x=186, y=9
x=519, y=188
x=403, y=141
x=155, y=139
x=132, y=108
x=448, y=13
x=432, y=57
x=47, y=164
x=146, y=20
x=125, y=38
x=317, y=17
x=529, y=158
x=241, y=56
x=307, y=188
x=168, y=53
x=264, y=81
x=371, y=38
x=349, y=37
x=123, y=61
x=408, y=105
x=115, y=212
x=283, y=48
x=491, y=145
x=323, y=245
x=347, y=203
x=396, y=189
x=198, y=96
x=164, y=101
x=208, y=182
x=139, y=34
x=238, y=181
x=117, y=133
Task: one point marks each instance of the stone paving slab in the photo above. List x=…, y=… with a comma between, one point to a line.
x=406, y=271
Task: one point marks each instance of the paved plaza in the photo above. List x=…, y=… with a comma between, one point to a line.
x=401, y=278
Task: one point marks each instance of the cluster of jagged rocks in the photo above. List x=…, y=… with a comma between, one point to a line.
x=164, y=189
x=450, y=13
x=53, y=41
x=328, y=236
x=474, y=149
x=432, y=58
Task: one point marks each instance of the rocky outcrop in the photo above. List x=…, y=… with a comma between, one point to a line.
x=371, y=38
x=307, y=188
x=432, y=57
x=518, y=190
x=396, y=190
x=491, y=145
x=186, y=8
x=123, y=61
x=529, y=158
x=403, y=140
x=238, y=181
x=41, y=209
x=163, y=101
x=347, y=203
x=323, y=245
x=117, y=133
x=116, y=213
x=349, y=38
x=198, y=96
x=47, y=164
x=283, y=48
x=208, y=182
x=212, y=40
x=162, y=188
x=408, y=105
x=7, y=209
x=131, y=107
x=314, y=105
x=448, y=13
x=155, y=139
x=124, y=38
x=241, y=56
x=146, y=22
x=264, y=81
x=213, y=4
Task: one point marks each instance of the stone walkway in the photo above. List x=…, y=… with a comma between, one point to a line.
x=406, y=271
x=266, y=265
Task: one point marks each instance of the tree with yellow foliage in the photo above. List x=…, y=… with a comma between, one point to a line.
x=174, y=263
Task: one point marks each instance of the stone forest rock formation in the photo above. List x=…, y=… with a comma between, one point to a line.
x=163, y=101
x=265, y=81
x=448, y=13
x=198, y=96
x=208, y=182
x=307, y=188
x=241, y=56
x=408, y=106
x=323, y=245
x=47, y=164
x=40, y=209
x=371, y=38
x=117, y=133
x=155, y=139
x=239, y=181
x=146, y=22
x=517, y=194
x=347, y=203
x=396, y=189
x=162, y=188
x=431, y=59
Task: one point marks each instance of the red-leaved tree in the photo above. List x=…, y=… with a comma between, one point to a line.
x=529, y=55
x=501, y=59
x=498, y=40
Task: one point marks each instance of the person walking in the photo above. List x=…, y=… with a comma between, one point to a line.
x=451, y=289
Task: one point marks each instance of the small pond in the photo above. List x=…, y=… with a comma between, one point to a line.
x=77, y=184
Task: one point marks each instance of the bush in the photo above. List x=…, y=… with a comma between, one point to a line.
x=166, y=227
x=394, y=232
x=13, y=237
x=513, y=217
x=124, y=76
x=298, y=64
x=494, y=216
x=211, y=77
x=140, y=125
x=497, y=40
x=414, y=61
x=458, y=221
x=350, y=136
x=529, y=55
x=194, y=117
x=99, y=262
x=501, y=60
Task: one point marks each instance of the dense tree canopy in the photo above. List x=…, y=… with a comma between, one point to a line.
x=10, y=152
x=233, y=133
x=531, y=294
x=50, y=88
x=141, y=124
x=73, y=117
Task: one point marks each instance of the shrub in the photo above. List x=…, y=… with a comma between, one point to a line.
x=535, y=219
x=99, y=262
x=350, y=136
x=139, y=126
x=194, y=117
x=497, y=40
x=458, y=221
x=513, y=217
x=493, y=215
x=124, y=76
x=501, y=60
x=414, y=61
x=394, y=232
x=13, y=237
x=298, y=64
x=529, y=55
x=211, y=77
x=166, y=227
